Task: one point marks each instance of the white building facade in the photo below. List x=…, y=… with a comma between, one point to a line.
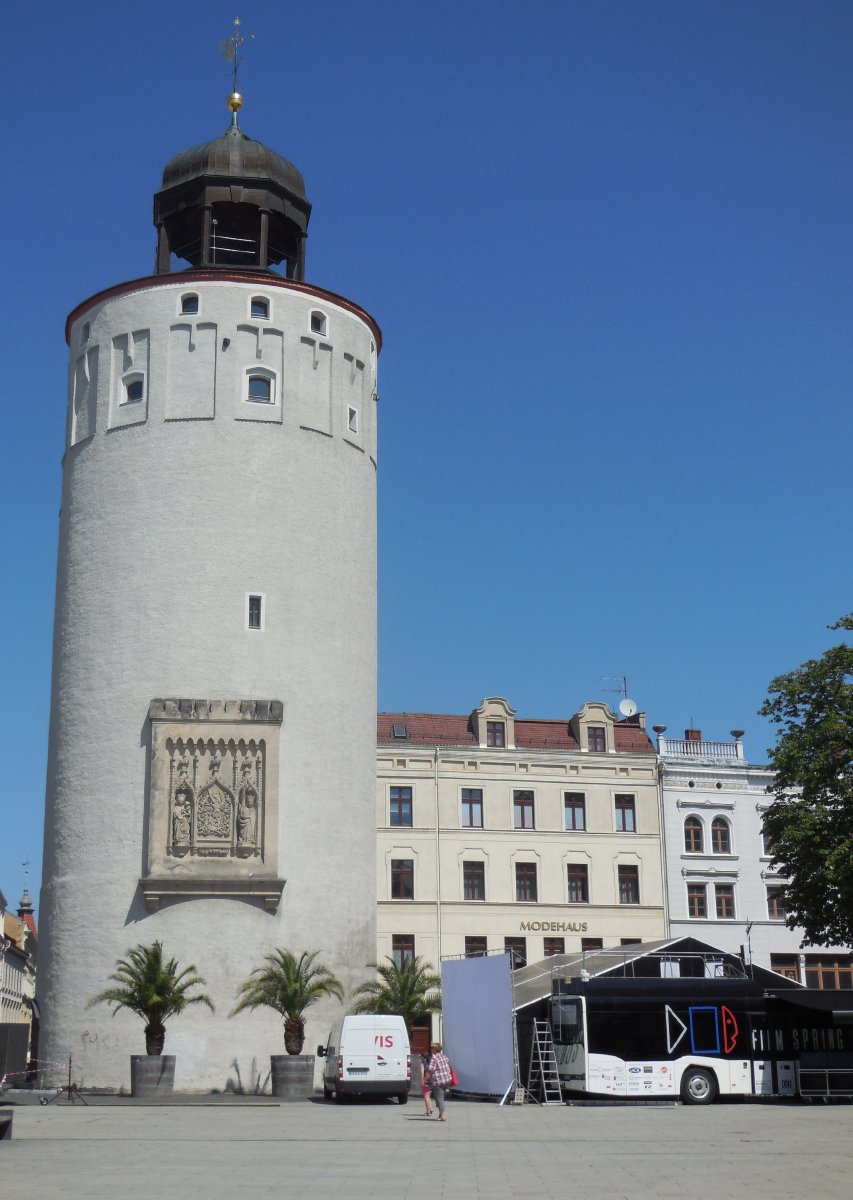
x=212, y=736
x=502, y=833
x=721, y=887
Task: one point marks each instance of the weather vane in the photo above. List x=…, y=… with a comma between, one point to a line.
x=230, y=48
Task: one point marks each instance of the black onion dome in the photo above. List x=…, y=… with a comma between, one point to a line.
x=236, y=156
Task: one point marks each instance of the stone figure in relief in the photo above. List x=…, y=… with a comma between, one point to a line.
x=182, y=818
x=247, y=810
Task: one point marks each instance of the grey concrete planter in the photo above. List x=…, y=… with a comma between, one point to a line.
x=292, y=1076
x=152, y=1074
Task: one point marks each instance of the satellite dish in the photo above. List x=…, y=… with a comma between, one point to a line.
x=627, y=707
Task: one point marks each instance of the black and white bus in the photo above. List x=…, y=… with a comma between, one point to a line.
x=675, y=1029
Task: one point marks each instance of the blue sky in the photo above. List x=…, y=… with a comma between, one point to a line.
x=610, y=247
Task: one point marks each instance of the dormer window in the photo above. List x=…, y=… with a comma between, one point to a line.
x=401, y=730
x=496, y=734
x=260, y=308
x=596, y=739
x=189, y=305
x=318, y=323
x=260, y=389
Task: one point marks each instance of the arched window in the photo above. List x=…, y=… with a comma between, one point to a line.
x=260, y=308
x=260, y=389
x=134, y=389
x=86, y=330
x=189, y=304
x=318, y=322
x=720, y=837
x=693, y=835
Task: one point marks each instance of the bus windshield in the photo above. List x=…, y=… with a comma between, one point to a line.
x=567, y=1021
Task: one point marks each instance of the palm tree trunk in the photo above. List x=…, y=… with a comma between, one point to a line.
x=155, y=1037
x=294, y=1035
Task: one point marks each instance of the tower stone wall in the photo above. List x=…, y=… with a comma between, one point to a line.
x=183, y=496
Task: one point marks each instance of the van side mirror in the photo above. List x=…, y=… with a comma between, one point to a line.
x=321, y=1051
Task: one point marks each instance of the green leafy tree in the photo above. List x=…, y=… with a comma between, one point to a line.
x=154, y=989
x=289, y=985
x=810, y=823
x=409, y=989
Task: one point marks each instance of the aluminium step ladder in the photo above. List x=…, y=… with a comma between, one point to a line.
x=543, y=1074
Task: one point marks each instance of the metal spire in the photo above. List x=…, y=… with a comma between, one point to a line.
x=230, y=48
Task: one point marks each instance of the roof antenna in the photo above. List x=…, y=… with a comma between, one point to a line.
x=230, y=48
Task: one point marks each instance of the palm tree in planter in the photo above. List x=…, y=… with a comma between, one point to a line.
x=289, y=985
x=154, y=989
x=408, y=988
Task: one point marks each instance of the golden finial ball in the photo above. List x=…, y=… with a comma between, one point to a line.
x=235, y=101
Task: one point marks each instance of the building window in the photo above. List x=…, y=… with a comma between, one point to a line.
x=829, y=973
x=400, y=730
x=578, y=874
x=574, y=808
x=255, y=612
x=724, y=894
x=86, y=330
x=352, y=419
x=553, y=945
x=402, y=879
x=473, y=881
x=767, y=844
x=720, y=838
x=693, y=835
x=522, y=810
x=134, y=390
x=625, y=815
x=496, y=734
x=786, y=964
x=525, y=881
x=260, y=308
x=403, y=948
x=697, y=901
x=630, y=941
x=318, y=323
x=476, y=947
x=472, y=808
x=401, y=805
x=189, y=304
x=260, y=389
x=589, y=945
x=516, y=947
x=596, y=739
x=629, y=885
x=776, y=910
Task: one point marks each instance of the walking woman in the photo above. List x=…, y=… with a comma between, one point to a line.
x=439, y=1076
x=425, y=1088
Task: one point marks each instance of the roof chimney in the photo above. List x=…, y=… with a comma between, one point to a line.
x=693, y=735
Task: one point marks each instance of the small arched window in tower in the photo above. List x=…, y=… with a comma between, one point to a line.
x=720, y=836
x=318, y=322
x=693, y=835
x=260, y=308
x=260, y=390
x=189, y=304
x=134, y=389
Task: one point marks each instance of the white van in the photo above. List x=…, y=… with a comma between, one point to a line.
x=367, y=1055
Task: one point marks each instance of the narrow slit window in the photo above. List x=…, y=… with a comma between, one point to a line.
x=189, y=305
x=255, y=612
x=318, y=323
x=260, y=389
x=352, y=419
x=84, y=334
x=260, y=308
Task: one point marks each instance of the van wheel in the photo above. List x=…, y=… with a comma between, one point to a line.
x=327, y=1092
x=403, y=1098
x=698, y=1086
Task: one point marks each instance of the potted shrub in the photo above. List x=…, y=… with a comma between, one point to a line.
x=289, y=985
x=155, y=990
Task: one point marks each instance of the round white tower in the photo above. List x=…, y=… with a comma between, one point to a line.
x=211, y=773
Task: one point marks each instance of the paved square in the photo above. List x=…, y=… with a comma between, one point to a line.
x=244, y=1151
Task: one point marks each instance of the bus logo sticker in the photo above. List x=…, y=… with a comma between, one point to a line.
x=675, y=1029
x=704, y=1030
x=730, y=1030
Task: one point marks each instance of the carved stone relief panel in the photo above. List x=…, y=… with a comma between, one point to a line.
x=213, y=799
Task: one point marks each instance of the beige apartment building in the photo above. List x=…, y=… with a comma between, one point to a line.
x=498, y=832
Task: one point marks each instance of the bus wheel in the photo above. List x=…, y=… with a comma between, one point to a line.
x=698, y=1086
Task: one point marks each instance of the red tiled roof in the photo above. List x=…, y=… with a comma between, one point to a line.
x=440, y=729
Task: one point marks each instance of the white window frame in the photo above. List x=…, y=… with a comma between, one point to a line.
x=246, y=606
x=318, y=312
x=263, y=300
x=186, y=296
x=269, y=373
x=126, y=380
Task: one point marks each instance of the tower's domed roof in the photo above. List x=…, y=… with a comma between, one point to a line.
x=236, y=156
